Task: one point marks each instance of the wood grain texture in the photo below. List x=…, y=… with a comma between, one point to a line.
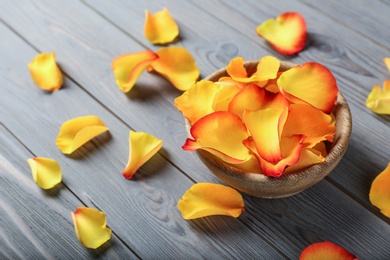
x=142, y=212
x=144, y=208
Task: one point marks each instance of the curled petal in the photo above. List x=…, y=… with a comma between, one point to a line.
x=378, y=101
x=207, y=199
x=90, y=227
x=127, y=68
x=197, y=101
x=308, y=121
x=177, y=65
x=210, y=133
x=380, y=192
x=311, y=83
x=160, y=28
x=46, y=172
x=142, y=147
x=250, y=98
x=265, y=126
x=45, y=72
x=77, y=131
x=286, y=33
x=325, y=250
x=236, y=69
x=387, y=63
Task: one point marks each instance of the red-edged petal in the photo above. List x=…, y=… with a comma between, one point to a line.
x=286, y=33
x=127, y=68
x=326, y=251
x=220, y=133
x=311, y=83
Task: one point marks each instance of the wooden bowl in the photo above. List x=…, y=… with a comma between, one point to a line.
x=261, y=186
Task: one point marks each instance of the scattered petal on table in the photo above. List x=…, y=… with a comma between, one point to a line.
x=90, y=227
x=77, y=131
x=220, y=133
x=286, y=33
x=177, y=65
x=380, y=191
x=142, y=147
x=325, y=251
x=160, y=28
x=127, y=68
x=197, y=101
x=46, y=172
x=310, y=83
x=45, y=72
x=378, y=101
x=207, y=199
x=387, y=62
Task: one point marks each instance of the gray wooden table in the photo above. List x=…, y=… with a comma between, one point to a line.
x=350, y=37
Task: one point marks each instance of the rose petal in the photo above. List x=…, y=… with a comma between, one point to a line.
x=220, y=133
x=177, y=65
x=224, y=96
x=310, y=83
x=378, y=101
x=265, y=126
x=90, y=227
x=46, y=172
x=267, y=68
x=387, y=63
x=290, y=149
x=308, y=157
x=308, y=121
x=77, y=131
x=326, y=251
x=127, y=68
x=142, y=147
x=207, y=199
x=250, y=98
x=380, y=192
x=45, y=72
x=197, y=101
x=160, y=28
x=286, y=33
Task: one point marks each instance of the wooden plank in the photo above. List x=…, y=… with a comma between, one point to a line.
x=142, y=212
x=35, y=223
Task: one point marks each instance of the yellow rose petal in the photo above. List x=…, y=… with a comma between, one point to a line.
x=77, y=131
x=142, y=147
x=90, y=227
x=45, y=72
x=387, y=63
x=160, y=28
x=177, y=65
x=207, y=199
x=380, y=191
x=378, y=101
x=46, y=172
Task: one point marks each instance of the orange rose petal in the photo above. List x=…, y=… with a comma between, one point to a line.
x=77, y=131
x=177, y=65
x=230, y=81
x=127, y=68
x=90, y=227
x=378, y=101
x=46, y=172
x=310, y=83
x=160, y=28
x=236, y=68
x=286, y=33
x=275, y=100
x=142, y=147
x=250, y=98
x=387, y=63
x=308, y=157
x=325, y=251
x=207, y=199
x=45, y=72
x=265, y=127
x=197, y=101
x=380, y=192
x=224, y=96
x=306, y=120
x=220, y=133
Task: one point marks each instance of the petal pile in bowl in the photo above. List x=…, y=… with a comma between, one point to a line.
x=263, y=119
